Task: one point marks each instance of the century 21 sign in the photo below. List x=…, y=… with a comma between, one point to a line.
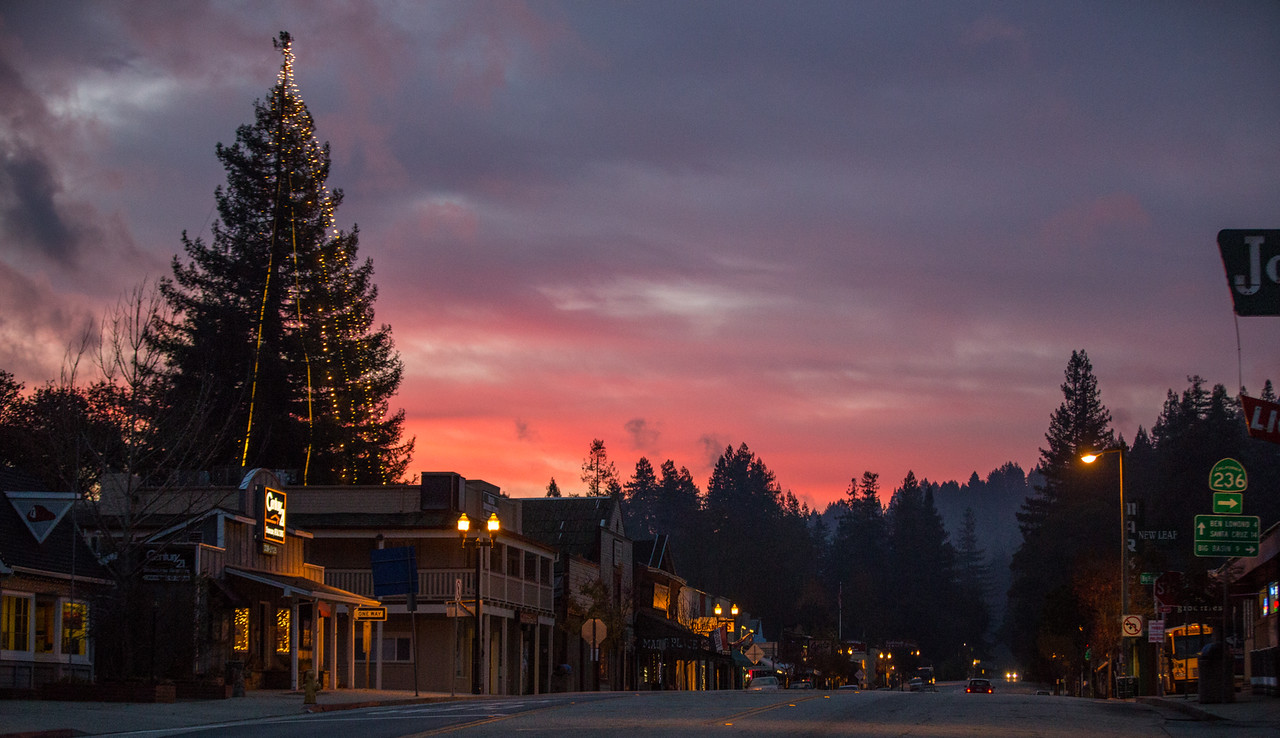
x=273, y=512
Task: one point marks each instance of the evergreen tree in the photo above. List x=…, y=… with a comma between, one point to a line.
x=858, y=553
x=744, y=522
x=678, y=512
x=598, y=472
x=553, y=489
x=275, y=313
x=1067, y=525
x=922, y=569
x=973, y=581
x=642, y=495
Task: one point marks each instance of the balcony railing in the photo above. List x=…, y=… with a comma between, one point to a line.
x=439, y=585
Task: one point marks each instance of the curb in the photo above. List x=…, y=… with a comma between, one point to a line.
x=335, y=706
x=1184, y=707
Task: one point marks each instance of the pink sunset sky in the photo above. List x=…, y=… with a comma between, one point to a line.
x=854, y=236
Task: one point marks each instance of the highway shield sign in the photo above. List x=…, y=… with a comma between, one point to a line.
x=1228, y=476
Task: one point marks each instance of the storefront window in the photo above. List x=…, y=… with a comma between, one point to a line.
x=75, y=616
x=396, y=648
x=283, y=630
x=44, y=626
x=240, y=639
x=15, y=622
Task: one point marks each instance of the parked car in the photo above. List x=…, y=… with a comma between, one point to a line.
x=979, y=686
x=916, y=684
x=801, y=684
x=763, y=683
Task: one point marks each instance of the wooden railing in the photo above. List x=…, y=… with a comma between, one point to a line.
x=438, y=585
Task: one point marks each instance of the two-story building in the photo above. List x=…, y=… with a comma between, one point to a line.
x=593, y=574
x=430, y=644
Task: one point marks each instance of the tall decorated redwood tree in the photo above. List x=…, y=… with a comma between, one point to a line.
x=275, y=312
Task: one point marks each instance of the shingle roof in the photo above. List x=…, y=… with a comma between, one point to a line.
x=422, y=519
x=18, y=548
x=568, y=524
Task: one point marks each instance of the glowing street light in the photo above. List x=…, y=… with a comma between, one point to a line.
x=1124, y=551
x=480, y=540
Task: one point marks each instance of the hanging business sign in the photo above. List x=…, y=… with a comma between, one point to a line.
x=168, y=563
x=1261, y=418
x=41, y=511
x=1252, y=261
x=274, y=504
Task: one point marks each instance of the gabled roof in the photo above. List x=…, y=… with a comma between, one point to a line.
x=655, y=553
x=61, y=553
x=570, y=525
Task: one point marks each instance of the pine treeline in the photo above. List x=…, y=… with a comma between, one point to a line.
x=273, y=317
x=1065, y=595
x=882, y=573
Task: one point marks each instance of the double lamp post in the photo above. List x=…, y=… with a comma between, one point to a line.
x=481, y=539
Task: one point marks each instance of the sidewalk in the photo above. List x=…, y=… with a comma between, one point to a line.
x=1247, y=709
x=49, y=719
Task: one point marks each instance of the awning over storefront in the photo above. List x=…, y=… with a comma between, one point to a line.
x=656, y=633
x=301, y=587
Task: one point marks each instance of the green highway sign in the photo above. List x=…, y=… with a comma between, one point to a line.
x=1230, y=503
x=1228, y=476
x=1226, y=535
x=1227, y=549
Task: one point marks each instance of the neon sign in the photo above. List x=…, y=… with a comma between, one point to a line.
x=273, y=514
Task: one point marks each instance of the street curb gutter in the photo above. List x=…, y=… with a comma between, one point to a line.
x=331, y=707
x=1183, y=707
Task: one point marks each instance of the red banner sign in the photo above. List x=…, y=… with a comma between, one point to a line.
x=1262, y=418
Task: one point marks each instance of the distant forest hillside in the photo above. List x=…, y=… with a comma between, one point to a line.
x=995, y=502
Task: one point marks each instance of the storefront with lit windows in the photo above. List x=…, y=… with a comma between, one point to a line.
x=47, y=579
x=231, y=596
x=1258, y=589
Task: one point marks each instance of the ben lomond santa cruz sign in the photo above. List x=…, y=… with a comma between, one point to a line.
x=274, y=504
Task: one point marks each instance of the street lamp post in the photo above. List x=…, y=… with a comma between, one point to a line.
x=481, y=540
x=1124, y=552
x=732, y=629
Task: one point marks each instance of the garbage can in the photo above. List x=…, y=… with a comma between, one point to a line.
x=1126, y=687
x=235, y=677
x=1213, y=666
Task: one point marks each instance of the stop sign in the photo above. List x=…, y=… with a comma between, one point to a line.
x=593, y=632
x=1166, y=589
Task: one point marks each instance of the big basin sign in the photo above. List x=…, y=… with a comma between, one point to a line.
x=1226, y=535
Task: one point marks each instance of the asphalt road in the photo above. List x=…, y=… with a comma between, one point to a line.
x=1014, y=710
